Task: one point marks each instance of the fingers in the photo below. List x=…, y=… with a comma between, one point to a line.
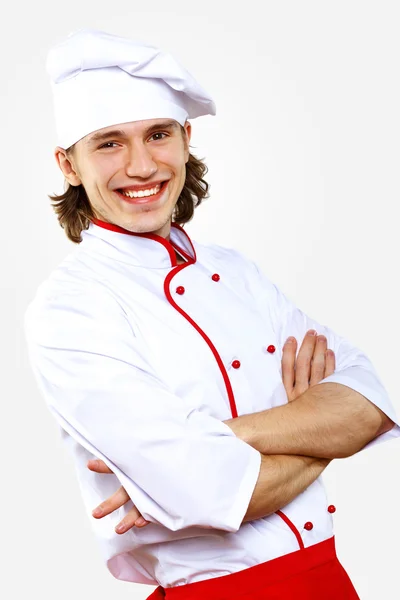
x=288, y=362
x=132, y=519
x=303, y=363
x=314, y=362
x=318, y=361
x=98, y=466
x=118, y=499
x=330, y=363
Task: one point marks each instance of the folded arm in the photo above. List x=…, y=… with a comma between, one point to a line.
x=329, y=420
x=180, y=466
x=281, y=480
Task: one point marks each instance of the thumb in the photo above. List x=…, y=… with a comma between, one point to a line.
x=98, y=465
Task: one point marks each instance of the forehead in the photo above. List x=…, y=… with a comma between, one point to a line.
x=129, y=129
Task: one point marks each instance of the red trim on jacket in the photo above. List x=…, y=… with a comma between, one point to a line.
x=292, y=527
x=213, y=349
x=168, y=245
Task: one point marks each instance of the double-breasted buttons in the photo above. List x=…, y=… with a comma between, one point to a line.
x=180, y=289
x=308, y=526
x=271, y=349
x=331, y=508
x=215, y=277
x=236, y=364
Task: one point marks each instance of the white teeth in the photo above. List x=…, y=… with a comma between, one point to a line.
x=141, y=193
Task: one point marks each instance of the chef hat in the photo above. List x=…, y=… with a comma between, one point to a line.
x=99, y=79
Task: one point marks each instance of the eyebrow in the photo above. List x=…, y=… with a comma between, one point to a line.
x=100, y=137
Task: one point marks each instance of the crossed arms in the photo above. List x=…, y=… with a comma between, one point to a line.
x=181, y=466
x=327, y=421
x=297, y=440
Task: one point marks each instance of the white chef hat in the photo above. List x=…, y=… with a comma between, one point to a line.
x=99, y=79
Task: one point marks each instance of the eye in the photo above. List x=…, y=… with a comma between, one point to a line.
x=158, y=133
x=107, y=145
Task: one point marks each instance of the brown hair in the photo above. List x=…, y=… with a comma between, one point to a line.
x=74, y=211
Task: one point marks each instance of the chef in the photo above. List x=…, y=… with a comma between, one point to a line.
x=162, y=356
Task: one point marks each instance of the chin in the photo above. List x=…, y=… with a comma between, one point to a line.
x=146, y=223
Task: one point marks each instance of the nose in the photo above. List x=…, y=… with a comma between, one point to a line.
x=140, y=162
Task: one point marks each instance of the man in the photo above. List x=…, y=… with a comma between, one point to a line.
x=161, y=356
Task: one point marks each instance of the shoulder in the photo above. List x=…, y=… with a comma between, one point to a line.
x=222, y=254
x=69, y=294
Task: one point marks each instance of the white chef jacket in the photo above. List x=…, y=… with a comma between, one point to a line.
x=140, y=361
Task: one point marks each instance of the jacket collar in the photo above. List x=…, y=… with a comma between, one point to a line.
x=140, y=249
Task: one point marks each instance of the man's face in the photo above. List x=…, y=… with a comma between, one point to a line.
x=116, y=162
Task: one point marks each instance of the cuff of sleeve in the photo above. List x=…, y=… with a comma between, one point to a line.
x=245, y=492
x=367, y=384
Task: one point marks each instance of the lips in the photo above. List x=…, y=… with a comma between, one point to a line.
x=142, y=188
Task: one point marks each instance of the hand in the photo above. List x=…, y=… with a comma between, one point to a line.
x=314, y=363
x=132, y=519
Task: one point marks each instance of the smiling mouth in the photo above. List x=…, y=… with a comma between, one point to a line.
x=143, y=196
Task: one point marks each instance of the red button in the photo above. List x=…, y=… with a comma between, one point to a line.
x=215, y=277
x=308, y=526
x=236, y=364
x=331, y=508
x=180, y=289
x=271, y=349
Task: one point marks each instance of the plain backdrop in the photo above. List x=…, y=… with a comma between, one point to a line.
x=303, y=160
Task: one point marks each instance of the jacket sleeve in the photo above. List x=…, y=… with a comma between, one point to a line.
x=180, y=466
x=353, y=367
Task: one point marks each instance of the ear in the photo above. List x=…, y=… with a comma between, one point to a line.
x=67, y=167
x=188, y=132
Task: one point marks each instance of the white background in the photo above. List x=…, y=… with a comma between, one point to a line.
x=303, y=160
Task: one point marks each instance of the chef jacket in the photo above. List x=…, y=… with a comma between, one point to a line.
x=140, y=361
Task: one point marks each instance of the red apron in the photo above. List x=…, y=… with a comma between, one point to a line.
x=312, y=573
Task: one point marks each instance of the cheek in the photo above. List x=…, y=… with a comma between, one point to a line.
x=172, y=157
x=101, y=171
